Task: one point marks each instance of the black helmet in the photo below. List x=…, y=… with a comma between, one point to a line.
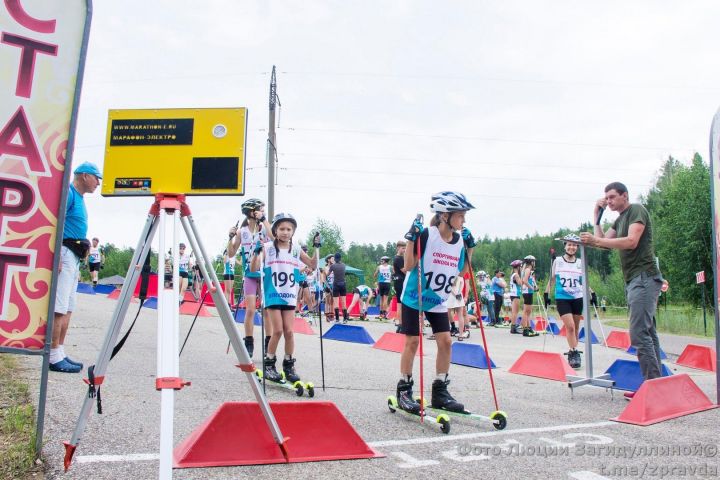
x=250, y=205
x=282, y=217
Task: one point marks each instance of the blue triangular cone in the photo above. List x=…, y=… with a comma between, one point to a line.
x=373, y=310
x=151, y=302
x=349, y=333
x=593, y=338
x=470, y=355
x=627, y=374
x=85, y=288
x=104, y=289
x=240, y=317
x=553, y=328
x=633, y=351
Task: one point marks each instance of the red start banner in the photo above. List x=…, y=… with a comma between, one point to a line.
x=41, y=48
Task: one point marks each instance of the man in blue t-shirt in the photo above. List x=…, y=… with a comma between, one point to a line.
x=73, y=251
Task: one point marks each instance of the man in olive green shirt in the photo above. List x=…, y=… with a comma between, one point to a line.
x=631, y=234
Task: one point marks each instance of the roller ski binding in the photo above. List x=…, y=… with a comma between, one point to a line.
x=405, y=403
x=275, y=378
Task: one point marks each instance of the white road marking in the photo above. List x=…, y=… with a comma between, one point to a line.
x=133, y=457
x=585, y=475
x=411, y=462
x=467, y=436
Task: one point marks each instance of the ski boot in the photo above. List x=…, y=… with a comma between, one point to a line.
x=289, y=370
x=515, y=328
x=454, y=330
x=271, y=373
x=442, y=399
x=574, y=358
x=249, y=345
x=405, y=398
x=529, y=332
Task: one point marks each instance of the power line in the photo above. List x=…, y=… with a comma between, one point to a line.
x=504, y=163
x=436, y=175
x=484, y=139
x=473, y=78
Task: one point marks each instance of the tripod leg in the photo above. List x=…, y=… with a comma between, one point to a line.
x=113, y=332
x=245, y=362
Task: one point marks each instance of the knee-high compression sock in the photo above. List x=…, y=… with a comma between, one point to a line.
x=345, y=314
x=337, y=313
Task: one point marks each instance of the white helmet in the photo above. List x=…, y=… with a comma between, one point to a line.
x=282, y=217
x=529, y=259
x=570, y=238
x=481, y=273
x=448, y=202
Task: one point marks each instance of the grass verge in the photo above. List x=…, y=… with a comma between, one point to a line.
x=17, y=424
x=679, y=321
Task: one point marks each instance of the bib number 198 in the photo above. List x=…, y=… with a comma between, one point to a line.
x=439, y=282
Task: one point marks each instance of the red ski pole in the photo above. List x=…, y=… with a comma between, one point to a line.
x=478, y=308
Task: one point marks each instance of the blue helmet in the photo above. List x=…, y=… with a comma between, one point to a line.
x=87, y=167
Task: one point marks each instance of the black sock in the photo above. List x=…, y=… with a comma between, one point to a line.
x=345, y=315
x=337, y=313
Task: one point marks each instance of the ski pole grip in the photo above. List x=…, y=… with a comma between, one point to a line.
x=599, y=216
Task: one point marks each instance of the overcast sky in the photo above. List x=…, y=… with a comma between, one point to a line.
x=528, y=107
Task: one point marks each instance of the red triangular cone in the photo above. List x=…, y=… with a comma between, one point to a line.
x=115, y=294
x=618, y=339
x=563, y=332
x=236, y=434
x=192, y=309
x=664, y=398
x=540, y=325
x=392, y=342
x=392, y=313
x=698, y=356
x=301, y=326
x=552, y=366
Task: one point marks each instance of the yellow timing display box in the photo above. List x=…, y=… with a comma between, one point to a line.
x=191, y=151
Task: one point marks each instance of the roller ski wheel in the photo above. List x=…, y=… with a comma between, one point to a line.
x=444, y=422
x=310, y=387
x=499, y=419
x=297, y=385
x=392, y=404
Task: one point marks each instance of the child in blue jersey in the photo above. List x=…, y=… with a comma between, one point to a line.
x=254, y=227
x=281, y=265
x=364, y=295
x=229, y=277
x=529, y=286
x=566, y=276
x=444, y=253
x=383, y=274
x=515, y=294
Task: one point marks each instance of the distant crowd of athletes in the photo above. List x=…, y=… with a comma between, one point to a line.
x=288, y=278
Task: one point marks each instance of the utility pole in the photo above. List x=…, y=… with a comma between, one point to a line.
x=271, y=148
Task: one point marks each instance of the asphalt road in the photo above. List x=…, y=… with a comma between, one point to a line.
x=550, y=433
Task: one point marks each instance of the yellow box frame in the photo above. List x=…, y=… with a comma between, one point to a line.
x=166, y=166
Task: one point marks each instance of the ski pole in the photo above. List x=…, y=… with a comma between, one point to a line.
x=421, y=323
x=482, y=332
x=319, y=302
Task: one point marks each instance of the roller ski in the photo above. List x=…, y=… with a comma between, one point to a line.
x=443, y=403
x=497, y=418
x=286, y=379
x=404, y=403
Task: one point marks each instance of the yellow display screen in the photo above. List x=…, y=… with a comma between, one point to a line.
x=191, y=151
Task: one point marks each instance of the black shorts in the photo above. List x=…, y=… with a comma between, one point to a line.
x=574, y=306
x=527, y=298
x=398, y=289
x=281, y=307
x=94, y=267
x=183, y=274
x=228, y=276
x=339, y=290
x=513, y=298
x=383, y=289
x=439, y=321
x=303, y=284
